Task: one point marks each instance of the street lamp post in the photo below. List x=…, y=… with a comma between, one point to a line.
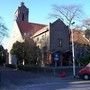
x=73, y=55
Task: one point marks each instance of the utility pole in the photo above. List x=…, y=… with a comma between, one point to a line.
x=73, y=54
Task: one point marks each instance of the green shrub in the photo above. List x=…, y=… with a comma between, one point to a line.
x=10, y=65
x=85, y=60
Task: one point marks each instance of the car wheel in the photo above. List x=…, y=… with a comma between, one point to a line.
x=86, y=77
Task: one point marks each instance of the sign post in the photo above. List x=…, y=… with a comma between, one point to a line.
x=56, y=57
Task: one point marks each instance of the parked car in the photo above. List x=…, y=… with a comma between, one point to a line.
x=84, y=73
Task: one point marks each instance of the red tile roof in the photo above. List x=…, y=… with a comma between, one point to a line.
x=78, y=37
x=26, y=27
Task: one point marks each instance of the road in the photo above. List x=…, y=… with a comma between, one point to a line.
x=60, y=86
x=20, y=80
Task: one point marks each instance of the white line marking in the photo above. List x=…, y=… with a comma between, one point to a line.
x=77, y=82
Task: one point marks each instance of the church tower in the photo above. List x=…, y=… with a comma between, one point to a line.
x=22, y=13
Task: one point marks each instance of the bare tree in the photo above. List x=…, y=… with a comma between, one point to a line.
x=68, y=13
x=86, y=23
x=3, y=30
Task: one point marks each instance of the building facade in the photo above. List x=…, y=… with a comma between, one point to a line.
x=51, y=38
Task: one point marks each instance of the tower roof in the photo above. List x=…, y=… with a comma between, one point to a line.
x=22, y=3
x=22, y=13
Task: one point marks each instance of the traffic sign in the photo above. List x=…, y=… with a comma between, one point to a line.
x=56, y=56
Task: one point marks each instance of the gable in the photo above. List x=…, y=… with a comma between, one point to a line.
x=58, y=21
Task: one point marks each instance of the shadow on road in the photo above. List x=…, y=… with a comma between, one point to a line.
x=12, y=79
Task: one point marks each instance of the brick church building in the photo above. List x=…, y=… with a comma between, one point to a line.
x=51, y=38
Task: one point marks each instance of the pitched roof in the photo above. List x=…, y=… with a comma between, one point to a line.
x=79, y=37
x=41, y=31
x=26, y=27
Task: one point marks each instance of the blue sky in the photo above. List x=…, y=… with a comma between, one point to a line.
x=38, y=9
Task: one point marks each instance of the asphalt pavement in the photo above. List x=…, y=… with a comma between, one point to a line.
x=12, y=79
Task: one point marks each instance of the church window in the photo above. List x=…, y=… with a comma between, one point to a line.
x=59, y=42
x=37, y=39
x=23, y=16
x=43, y=37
